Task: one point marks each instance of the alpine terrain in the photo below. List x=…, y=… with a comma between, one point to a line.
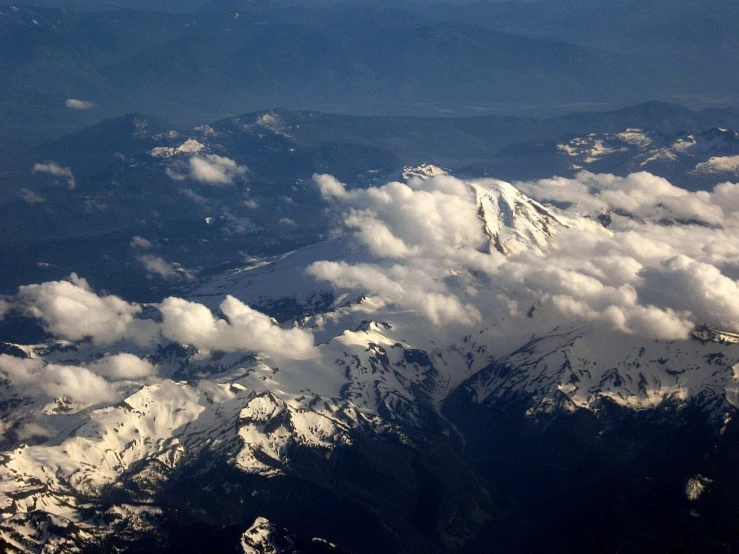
x=459, y=357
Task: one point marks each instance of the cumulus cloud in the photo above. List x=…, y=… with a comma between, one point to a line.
x=75, y=104
x=669, y=259
x=156, y=265
x=399, y=220
x=242, y=329
x=122, y=366
x=70, y=309
x=676, y=274
x=410, y=287
x=76, y=383
x=33, y=376
x=421, y=232
x=641, y=194
x=20, y=371
x=210, y=169
x=693, y=286
x=53, y=168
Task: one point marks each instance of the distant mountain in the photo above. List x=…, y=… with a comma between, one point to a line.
x=449, y=140
x=132, y=177
x=65, y=69
x=691, y=160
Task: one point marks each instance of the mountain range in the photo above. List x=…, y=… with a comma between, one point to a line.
x=332, y=276
x=66, y=68
x=459, y=365
x=94, y=190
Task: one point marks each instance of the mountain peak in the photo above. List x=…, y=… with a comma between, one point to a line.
x=513, y=221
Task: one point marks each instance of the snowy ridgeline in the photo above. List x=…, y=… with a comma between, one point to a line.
x=433, y=287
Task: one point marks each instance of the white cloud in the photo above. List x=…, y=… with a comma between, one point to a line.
x=78, y=104
x=140, y=242
x=70, y=309
x=122, y=366
x=376, y=235
x=398, y=220
x=210, y=169
x=20, y=371
x=421, y=247
x=697, y=287
x=330, y=186
x=637, y=276
x=421, y=233
x=641, y=194
x=243, y=329
x=158, y=266
x=53, y=168
x=77, y=383
x=33, y=377
x=409, y=287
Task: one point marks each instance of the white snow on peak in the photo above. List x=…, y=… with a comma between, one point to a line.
x=513, y=221
x=269, y=428
x=714, y=140
x=696, y=486
x=258, y=539
x=719, y=164
x=589, y=149
x=190, y=146
x=270, y=121
x=636, y=137
x=656, y=156
x=423, y=171
x=714, y=151
x=580, y=366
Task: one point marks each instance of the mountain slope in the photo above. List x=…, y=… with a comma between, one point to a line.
x=449, y=337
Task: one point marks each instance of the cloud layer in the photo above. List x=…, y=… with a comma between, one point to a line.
x=73, y=311
x=36, y=378
x=668, y=260
x=243, y=329
x=70, y=309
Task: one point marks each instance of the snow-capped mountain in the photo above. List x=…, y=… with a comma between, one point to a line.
x=693, y=160
x=710, y=153
x=514, y=222
x=263, y=537
x=438, y=304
